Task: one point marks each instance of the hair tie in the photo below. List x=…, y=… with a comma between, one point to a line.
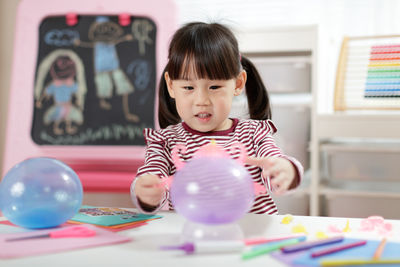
x=240, y=57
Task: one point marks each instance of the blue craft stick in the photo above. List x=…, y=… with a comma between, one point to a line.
x=311, y=244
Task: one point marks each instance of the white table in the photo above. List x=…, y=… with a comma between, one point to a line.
x=144, y=249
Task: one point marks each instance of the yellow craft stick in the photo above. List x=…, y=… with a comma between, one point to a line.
x=379, y=250
x=358, y=262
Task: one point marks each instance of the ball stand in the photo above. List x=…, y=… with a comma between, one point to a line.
x=193, y=231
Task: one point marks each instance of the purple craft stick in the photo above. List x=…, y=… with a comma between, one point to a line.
x=187, y=247
x=208, y=247
x=311, y=244
x=334, y=249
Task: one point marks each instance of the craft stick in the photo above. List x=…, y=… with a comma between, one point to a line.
x=261, y=246
x=257, y=241
x=311, y=244
x=379, y=250
x=268, y=248
x=334, y=249
x=357, y=262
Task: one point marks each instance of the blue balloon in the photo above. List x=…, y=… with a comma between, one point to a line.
x=40, y=193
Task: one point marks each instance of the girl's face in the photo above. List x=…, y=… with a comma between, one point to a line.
x=204, y=105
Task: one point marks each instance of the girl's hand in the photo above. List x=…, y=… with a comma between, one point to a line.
x=281, y=172
x=149, y=189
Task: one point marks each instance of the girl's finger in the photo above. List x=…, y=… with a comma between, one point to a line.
x=280, y=184
x=261, y=162
x=272, y=171
x=148, y=181
x=254, y=161
x=271, y=162
x=152, y=191
x=266, y=173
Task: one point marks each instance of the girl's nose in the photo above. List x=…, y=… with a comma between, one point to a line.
x=202, y=97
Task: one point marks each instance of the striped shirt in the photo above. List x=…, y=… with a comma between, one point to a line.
x=255, y=135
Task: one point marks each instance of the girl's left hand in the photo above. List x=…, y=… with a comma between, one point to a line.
x=281, y=172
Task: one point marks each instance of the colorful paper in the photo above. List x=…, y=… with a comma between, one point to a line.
x=39, y=246
x=109, y=216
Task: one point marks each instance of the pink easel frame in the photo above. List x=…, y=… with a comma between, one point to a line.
x=19, y=145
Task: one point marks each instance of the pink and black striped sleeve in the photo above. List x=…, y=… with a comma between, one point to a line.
x=156, y=162
x=266, y=147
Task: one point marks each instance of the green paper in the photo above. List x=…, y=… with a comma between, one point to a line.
x=109, y=216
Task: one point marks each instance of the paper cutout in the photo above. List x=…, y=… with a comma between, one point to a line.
x=299, y=229
x=321, y=235
x=334, y=229
x=287, y=219
x=376, y=223
x=347, y=228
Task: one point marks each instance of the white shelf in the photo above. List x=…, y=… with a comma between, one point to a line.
x=278, y=39
x=357, y=125
x=378, y=145
x=370, y=132
x=336, y=192
x=292, y=99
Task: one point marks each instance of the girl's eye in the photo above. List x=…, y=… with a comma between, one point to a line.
x=215, y=87
x=188, y=87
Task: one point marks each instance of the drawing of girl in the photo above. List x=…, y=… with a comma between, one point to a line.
x=66, y=82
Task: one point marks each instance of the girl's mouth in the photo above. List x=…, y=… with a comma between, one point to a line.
x=204, y=117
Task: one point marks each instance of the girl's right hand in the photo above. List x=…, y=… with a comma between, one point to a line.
x=149, y=189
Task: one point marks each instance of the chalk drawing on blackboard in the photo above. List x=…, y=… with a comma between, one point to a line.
x=67, y=81
x=141, y=71
x=104, y=36
x=141, y=29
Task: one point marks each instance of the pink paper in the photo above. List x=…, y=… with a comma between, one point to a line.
x=38, y=246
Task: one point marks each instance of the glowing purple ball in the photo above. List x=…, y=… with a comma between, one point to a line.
x=212, y=190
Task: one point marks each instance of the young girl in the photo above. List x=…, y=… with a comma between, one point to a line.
x=205, y=71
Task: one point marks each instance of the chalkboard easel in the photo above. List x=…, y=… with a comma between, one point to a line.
x=70, y=103
x=95, y=80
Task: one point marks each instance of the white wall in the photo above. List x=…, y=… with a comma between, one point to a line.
x=335, y=17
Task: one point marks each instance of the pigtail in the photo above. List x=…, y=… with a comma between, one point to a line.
x=257, y=95
x=167, y=113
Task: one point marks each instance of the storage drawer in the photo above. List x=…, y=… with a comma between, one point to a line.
x=362, y=206
x=295, y=203
x=373, y=162
x=284, y=74
x=294, y=127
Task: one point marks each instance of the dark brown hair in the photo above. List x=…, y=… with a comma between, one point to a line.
x=213, y=50
x=62, y=68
